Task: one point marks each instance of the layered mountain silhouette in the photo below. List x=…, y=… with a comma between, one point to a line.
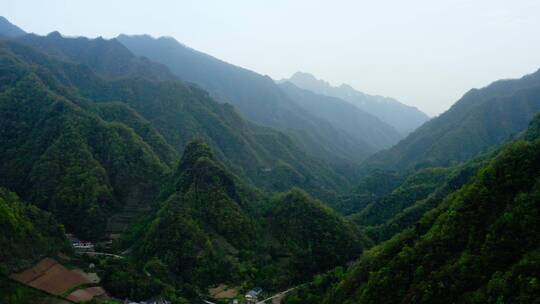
x=141, y=136
x=362, y=126
x=403, y=118
x=481, y=119
x=86, y=140
x=259, y=99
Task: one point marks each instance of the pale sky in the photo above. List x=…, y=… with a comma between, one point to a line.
x=425, y=53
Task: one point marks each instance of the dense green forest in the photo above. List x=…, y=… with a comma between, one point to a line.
x=480, y=120
x=187, y=193
x=232, y=233
x=28, y=234
x=480, y=245
x=83, y=146
x=181, y=112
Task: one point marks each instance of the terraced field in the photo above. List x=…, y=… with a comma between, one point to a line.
x=53, y=278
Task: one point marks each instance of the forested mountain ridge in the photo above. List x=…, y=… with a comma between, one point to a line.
x=274, y=150
x=230, y=232
x=107, y=58
x=118, y=137
x=61, y=156
x=9, y=30
x=85, y=141
x=481, y=119
x=366, y=128
x=205, y=212
x=184, y=194
x=480, y=245
x=257, y=97
x=403, y=118
x=318, y=237
x=28, y=234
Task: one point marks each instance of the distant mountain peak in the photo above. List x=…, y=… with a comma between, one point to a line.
x=346, y=86
x=402, y=117
x=308, y=79
x=54, y=34
x=304, y=75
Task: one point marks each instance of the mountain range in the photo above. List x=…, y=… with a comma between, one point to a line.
x=403, y=118
x=480, y=245
x=121, y=132
x=259, y=99
x=208, y=174
x=480, y=120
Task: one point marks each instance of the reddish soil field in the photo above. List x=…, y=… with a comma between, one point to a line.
x=31, y=274
x=51, y=277
x=86, y=294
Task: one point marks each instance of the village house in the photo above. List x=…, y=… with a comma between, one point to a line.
x=253, y=295
x=78, y=244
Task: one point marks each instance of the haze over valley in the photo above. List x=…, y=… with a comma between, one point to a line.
x=137, y=169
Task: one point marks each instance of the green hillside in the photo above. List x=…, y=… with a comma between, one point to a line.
x=181, y=112
x=65, y=158
x=479, y=246
x=27, y=234
x=213, y=228
x=480, y=120
x=85, y=147
x=315, y=236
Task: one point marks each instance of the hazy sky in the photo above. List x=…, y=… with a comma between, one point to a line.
x=424, y=53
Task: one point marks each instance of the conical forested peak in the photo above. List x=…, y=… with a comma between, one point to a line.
x=198, y=169
x=322, y=239
x=199, y=148
x=54, y=34
x=194, y=151
x=295, y=197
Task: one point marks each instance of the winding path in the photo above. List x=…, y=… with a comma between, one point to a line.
x=277, y=296
x=91, y=253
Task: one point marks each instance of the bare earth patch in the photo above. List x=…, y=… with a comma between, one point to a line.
x=50, y=276
x=92, y=276
x=85, y=294
x=222, y=291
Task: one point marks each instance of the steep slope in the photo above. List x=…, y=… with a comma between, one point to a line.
x=205, y=216
x=107, y=58
x=255, y=96
x=372, y=187
x=402, y=210
x=167, y=114
x=415, y=187
x=479, y=246
x=316, y=237
x=403, y=118
x=181, y=112
x=364, y=127
x=9, y=30
x=480, y=120
x=213, y=228
x=63, y=157
x=27, y=234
